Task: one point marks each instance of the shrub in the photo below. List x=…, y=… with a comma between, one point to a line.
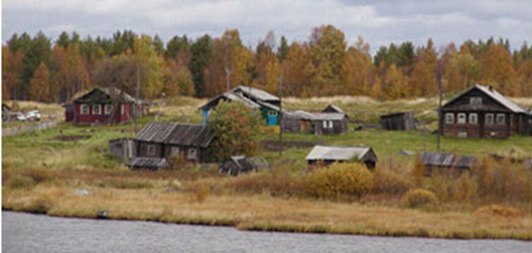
x=419, y=172
x=419, y=197
x=39, y=174
x=200, y=192
x=40, y=204
x=339, y=179
x=20, y=182
x=276, y=182
x=391, y=182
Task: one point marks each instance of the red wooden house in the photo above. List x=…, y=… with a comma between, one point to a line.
x=102, y=106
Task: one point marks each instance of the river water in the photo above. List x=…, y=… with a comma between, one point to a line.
x=23, y=232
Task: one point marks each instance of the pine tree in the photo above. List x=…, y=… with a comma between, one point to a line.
x=40, y=84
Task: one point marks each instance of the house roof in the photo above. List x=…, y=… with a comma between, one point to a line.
x=147, y=163
x=333, y=109
x=299, y=114
x=338, y=153
x=492, y=93
x=111, y=93
x=328, y=116
x=256, y=93
x=447, y=160
x=176, y=134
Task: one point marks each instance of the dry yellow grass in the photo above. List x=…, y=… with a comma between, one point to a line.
x=262, y=212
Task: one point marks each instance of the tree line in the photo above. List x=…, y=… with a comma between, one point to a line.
x=37, y=68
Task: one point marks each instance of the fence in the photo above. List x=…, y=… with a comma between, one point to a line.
x=27, y=129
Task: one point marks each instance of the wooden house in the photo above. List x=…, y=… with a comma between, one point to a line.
x=296, y=121
x=240, y=164
x=401, y=121
x=446, y=162
x=103, y=106
x=332, y=120
x=326, y=155
x=482, y=112
x=256, y=99
x=168, y=140
x=123, y=149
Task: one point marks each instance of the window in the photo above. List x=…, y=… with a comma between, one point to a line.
x=108, y=109
x=174, y=152
x=461, y=118
x=151, y=150
x=489, y=118
x=330, y=124
x=501, y=119
x=327, y=124
x=449, y=118
x=122, y=109
x=272, y=113
x=96, y=109
x=84, y=109
x=324, y=124
x=473, y=118
x=191, y=155
x=475, y=101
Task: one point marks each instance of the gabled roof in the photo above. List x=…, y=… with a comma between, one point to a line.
x=447, y=160
x=111, y=93
x=333, y=109
x=329, y=116
x=177, y=134
x=338, y=153
x=256, y=93
x=492, y=93
x=230, y=96
x=299, y=114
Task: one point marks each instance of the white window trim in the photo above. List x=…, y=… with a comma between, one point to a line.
x=492, y=119
x=330, y=124
x=96, y=109
x=174, y=151
x=449, y=118
x=272, y=113
x=108, y=108
x=503, y=119
x=151, y=150
x=122, y=109
x=84, y=109
x=462, y=118
x=475, y=100
x=192, y=153
x=473, y=116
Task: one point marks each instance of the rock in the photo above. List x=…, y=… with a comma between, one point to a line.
x=102, y=214
x=82, y=192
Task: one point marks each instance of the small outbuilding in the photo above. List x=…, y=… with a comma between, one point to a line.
x=240, y=164
x=297, y=121
x=401, y=121
x=446, y=162
x=326, y=155
x=332, y=120
x=123, y=149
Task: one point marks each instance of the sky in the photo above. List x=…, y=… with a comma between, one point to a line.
x=379, y=22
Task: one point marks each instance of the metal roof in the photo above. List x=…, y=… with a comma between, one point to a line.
x=328, y=116
x=256, y=93
x=112, y=93
x=333, y=109
x=147, y=163
x=338, y=153
x=299, y=114
x=494, y=95
x=447, y=160
x=177, y=134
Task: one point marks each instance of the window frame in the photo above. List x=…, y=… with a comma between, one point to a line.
x=331, y=125
x=503, y=116
x=449, y=118
x=272, y=113
x=107, y=109
x=87, y=110
x=489, y=116
x=475, y=100
x=461, y=119
x=192, y=154
x=173, y=152
x=151, y=150
x=96, y=112
x=473, y=122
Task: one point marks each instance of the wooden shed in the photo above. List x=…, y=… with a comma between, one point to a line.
x=168, y=140
x=123, y=149
x=446, y=162
x=331, y=120
x=326, y=155
x=402, y=121
x=297, y=121
x=482, y=112
x=240, y=164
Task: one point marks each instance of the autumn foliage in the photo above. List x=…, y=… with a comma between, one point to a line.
x=324, y=65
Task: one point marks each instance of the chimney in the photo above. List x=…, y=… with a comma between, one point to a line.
x=490, y=88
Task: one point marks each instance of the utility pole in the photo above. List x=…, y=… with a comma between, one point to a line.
x=440, y=123
x=280, y=115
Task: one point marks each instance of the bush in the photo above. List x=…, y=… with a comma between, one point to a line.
x=276, y=182
x=419, y=197
x=200, y=192
x=40, y=204
x=39, y=174
x=500, y=211
x=419, y=172
x=391, y=182
x=339, y=179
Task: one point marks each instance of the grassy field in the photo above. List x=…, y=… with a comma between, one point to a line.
x=43, y=171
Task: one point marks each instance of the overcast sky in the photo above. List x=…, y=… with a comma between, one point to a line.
x=379, y=22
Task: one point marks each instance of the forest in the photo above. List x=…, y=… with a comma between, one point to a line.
x=47, y=70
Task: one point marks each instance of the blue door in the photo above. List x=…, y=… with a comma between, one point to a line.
x=205, y=113
x=272, y=118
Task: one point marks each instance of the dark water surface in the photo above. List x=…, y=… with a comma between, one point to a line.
x=37, y=233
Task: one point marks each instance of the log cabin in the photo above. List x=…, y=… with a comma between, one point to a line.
x=482, y=112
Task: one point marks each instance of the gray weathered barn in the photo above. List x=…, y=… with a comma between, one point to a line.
x=168, y=140
x=297, y=121
x=240, y=164
x=482, y=112
x=449, y=162
x=402, y=121
x=123, y=149
x=326, y=155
